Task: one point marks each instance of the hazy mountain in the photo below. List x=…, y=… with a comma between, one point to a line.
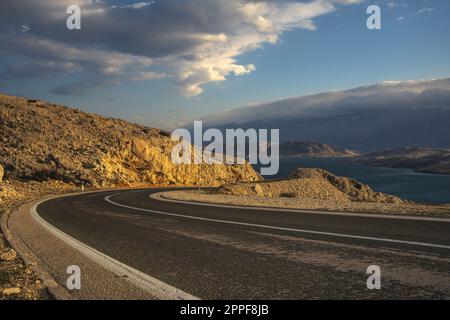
x=381, y=116
x=419, y=159
x=313, y=149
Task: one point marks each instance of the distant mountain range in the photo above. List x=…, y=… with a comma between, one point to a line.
x=313, y=149
x=418, y=159
x=387, y=115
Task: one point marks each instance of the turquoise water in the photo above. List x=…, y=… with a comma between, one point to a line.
x=404, y=183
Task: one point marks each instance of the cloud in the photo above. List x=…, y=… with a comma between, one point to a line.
x=424, y=10
x=391, y=4
x=191, y=42
x=387, y=115
x=416, y=13
x=97, y=61
x=77, y=87
x=388, y=94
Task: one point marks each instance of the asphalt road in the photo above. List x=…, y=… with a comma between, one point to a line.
x=229, y=253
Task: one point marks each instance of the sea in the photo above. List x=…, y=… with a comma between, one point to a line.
x=404, y=183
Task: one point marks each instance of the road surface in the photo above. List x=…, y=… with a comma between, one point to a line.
x=235, y=253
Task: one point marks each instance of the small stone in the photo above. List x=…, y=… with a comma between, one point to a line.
x=258, y=190
x=9, y=256
x=10, y=291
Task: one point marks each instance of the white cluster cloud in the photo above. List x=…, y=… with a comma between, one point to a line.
x=191, y=42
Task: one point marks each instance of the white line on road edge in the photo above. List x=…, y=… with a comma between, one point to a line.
x=160, y=197
x=151, y=285
x=340, y=235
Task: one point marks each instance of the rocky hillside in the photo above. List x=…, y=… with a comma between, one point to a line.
x=419, y=159
x=41, y=141
x=313, y=149
x=316, y=184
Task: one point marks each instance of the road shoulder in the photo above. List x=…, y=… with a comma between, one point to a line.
x=50, y=257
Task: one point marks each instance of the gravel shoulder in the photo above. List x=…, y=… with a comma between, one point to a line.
x=18, y=281
x=310, y=204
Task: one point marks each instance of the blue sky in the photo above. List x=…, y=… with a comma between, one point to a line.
x=338, y=52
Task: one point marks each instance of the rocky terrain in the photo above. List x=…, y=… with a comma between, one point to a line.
x=313, y=149
x=310, y=189
x=41, y=141
x=419, y=159
x=316, y=184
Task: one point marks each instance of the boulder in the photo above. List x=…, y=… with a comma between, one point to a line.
x=11, y=291
x=9, y=255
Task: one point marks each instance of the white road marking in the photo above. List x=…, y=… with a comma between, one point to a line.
x=160, y=196
x=152, y=285
x=340, y=235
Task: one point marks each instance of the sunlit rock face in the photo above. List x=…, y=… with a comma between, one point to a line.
x=42, y=141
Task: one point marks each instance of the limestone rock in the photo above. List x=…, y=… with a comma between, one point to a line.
x=7, y=191
x=315, y=184
x=355, y=190
x=258, y=190
x=52, y=142
x=9, y=255
x=11, y=291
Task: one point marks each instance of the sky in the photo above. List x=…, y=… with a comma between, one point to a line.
x=165, y=63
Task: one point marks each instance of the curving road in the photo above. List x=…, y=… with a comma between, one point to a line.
x=213, y=252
